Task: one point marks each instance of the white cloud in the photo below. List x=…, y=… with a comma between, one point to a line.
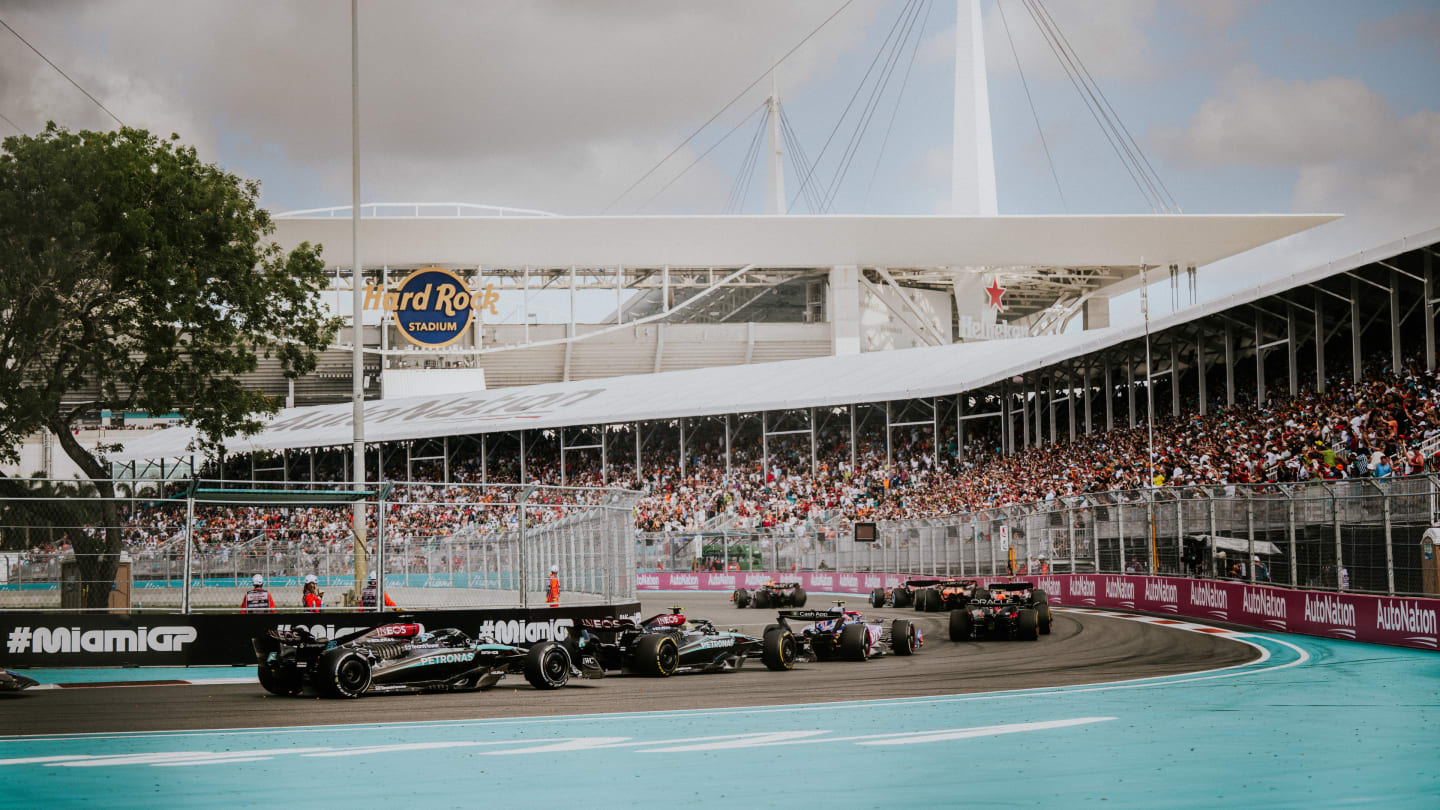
x=1109, y=38
x=1353, y=153
x=536, y=104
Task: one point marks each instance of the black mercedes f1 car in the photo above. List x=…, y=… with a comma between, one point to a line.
x=405, y=658
x=1009, y=610
x=669, y=643
x=14, y=681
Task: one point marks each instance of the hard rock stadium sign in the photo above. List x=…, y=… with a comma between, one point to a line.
x=432, y=306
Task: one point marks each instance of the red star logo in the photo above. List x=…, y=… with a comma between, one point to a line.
x=994, y=291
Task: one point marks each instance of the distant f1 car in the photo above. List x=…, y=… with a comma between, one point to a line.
x=770, y=595
x=14, y=681
x=838, y=633
x=669, y=643
x=932, y=594
x=1010, y=610
x=902, y=595
x=405, y=658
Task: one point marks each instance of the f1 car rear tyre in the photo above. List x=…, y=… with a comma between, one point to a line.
x=547, y=665
x=904, y=598
x=344, y=673
x=1043, y=609
x=799, y=597
x=779, y=650
x=741, y=598
x=961, y=625
x=281, y=681
x=902, y=637
x=656, y=656
x=877, y=598
x=922, y=598
x=855, y=643
x=762, y=599
x=1039, y=595
x=1027, y=625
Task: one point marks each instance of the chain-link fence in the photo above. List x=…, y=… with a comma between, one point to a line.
x=439, y=546
x=1359, y=535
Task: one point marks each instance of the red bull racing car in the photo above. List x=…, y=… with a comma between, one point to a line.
x=1009, y=610
x=840, y=634
x=405, y=658
x=770, y=595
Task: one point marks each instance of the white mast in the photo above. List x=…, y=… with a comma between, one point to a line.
x=972, y=173
x=775, y=166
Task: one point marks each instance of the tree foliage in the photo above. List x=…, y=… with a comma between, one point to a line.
x=134, y=276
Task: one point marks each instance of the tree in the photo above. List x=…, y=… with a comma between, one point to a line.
x=134, y=276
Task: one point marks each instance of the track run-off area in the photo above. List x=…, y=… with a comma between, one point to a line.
x=1107, y=710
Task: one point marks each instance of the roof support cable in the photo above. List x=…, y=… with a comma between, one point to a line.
x=867, y=113
x=767, y=72
x=736, y=199
x=700, y=157
x=803, y=165
x=1000, y=6
x=1173, y=205
x=899, y=97
x=851, y=103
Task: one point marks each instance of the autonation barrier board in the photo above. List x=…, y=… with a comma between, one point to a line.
x=158, y=639
x=1406, y=622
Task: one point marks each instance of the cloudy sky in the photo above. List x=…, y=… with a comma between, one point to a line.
x=1240, y=105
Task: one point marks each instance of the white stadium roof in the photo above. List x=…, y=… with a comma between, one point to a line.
x=814, y=382
x=795, y=241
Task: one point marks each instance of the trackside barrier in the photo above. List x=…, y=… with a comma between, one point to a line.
x=90, y=640
x=1404, y=622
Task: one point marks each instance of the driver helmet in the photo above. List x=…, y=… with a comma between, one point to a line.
x=311, y=579
x=372, y=576
x=257, y=580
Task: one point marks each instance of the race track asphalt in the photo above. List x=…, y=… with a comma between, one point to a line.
x=1082, y=649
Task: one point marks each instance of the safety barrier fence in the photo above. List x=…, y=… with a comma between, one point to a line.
x=439, y=546
x=1406, y=622
x=1359, y=535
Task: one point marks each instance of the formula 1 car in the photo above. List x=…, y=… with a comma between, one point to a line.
x=838, y=633
x=941, y=594
x=1010, y=610
x=14, y=681
x=770, y=595
x=669, y=643
x=902, y=595
x=405, y=658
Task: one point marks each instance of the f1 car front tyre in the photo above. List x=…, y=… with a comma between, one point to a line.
x=656, y=656
x=547, y=665
x=1027, y=625
x=799, y=597
x=855, y=643
x=1043, y=609
x=344, y=673
x=779, y=650
x=741, y=598
x=902, y=637
x=280, y=681
x=961, y=625
x=877, y=598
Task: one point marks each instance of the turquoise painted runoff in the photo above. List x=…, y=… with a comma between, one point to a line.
x=127, y=674
x=1318, y=723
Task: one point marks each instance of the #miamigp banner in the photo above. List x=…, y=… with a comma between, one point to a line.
x=1406, y=622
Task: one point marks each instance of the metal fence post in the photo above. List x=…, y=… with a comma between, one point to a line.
x=1120, y=532
x=189, y=540
x=1339, y=546
x=380, y=547
x=1070, y=530
x=1389, y=541
x=521, y=555
x=1294, y=559
x=1250, y=524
